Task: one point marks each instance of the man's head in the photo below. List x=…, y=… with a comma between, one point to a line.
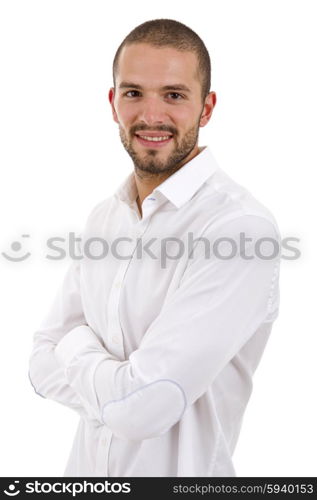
x=161, y=76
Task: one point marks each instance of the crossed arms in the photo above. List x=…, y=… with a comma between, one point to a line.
x=216, y=309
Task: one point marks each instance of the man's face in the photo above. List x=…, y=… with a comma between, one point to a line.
x=158, y=105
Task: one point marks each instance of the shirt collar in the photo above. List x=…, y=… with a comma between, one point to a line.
x=180, y=186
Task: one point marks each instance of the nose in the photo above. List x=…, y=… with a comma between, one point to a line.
x=152, y=111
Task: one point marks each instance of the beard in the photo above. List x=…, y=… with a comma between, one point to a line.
x=149, y=161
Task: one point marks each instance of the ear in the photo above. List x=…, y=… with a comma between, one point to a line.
x=111, y=96
x=210, y=103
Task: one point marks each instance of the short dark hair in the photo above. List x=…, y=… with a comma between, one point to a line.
x=170, y=33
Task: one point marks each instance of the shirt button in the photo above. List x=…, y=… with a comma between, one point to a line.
x=104, y=441
x=115, y=339
x=117, y=284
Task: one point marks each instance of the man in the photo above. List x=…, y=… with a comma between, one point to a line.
x=153, y=338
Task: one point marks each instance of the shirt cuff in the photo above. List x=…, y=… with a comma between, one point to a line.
x=79, y=339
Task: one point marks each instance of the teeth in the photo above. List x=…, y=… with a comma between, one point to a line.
x=155, y=139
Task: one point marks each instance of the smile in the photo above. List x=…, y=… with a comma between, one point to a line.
x=154, y=141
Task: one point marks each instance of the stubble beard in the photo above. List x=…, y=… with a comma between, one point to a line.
x=149, y=164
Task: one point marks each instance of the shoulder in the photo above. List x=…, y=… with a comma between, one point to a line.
x=99, y=214
x=233, y=208
x=100, y=208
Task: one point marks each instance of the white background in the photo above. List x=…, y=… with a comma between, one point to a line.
x=61, y=154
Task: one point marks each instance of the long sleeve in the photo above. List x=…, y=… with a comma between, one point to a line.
x=45, y=372
x=218, y=305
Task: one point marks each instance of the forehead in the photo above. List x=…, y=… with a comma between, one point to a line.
x=143, y=64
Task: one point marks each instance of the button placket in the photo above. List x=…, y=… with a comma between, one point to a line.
x=115, y=333
x=114, y=325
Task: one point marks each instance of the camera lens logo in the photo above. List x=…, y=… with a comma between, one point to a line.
x=13, y=492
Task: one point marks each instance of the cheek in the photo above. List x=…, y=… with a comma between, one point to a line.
x=185, y=117
x=124, y=114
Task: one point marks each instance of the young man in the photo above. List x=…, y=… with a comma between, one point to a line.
x=154, y=339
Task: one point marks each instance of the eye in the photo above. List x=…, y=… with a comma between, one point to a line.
x=175, y=96
x=132, y=91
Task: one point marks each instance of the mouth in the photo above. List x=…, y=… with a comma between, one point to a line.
x=154, y=141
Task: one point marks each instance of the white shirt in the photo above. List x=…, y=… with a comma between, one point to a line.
x=155, y=349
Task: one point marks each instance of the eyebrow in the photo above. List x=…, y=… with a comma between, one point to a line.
x=177, y=86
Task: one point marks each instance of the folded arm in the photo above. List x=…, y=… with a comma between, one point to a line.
x=217, y=307
x=45, y=372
